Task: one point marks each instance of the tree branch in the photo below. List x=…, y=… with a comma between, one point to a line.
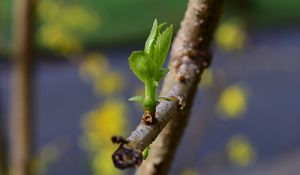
x=22, y=83
x=3, y=144
x=189, y=57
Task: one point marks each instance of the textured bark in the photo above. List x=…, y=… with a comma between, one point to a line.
x=22, y=83
x=189, y=57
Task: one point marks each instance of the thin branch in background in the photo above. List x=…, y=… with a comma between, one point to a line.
x=189, y=57
x=22, y=92
x=3, y=144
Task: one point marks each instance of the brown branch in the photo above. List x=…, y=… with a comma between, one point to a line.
x=3, y=144
x=189, y=57
x=22, y=83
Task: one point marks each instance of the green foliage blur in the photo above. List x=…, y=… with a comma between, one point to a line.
x=69, y=27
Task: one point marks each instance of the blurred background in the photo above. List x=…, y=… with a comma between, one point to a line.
x=245, y=118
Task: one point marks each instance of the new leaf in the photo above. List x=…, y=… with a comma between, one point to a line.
x=162, y=46
x=141, y=65
x=151, y=37
x=147, y=64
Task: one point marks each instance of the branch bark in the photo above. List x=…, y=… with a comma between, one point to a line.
x=22, y=84
x=3, y=144
x=190, y=55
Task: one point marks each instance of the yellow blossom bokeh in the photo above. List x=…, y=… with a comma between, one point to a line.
x=102, y=163
x=110, y=83
x=106, y=120
x=99, y=125
x=55, y=37
x=230, y=35
x=240, y=151
x=95, y=68
x=233, y=101
x=63, y=27
x=47, y=156
x=190, y=172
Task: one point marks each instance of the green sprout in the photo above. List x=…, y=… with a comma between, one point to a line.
x=147, y=65
x=146, y=152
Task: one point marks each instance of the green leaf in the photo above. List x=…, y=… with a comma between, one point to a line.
x=160, y=26
x=151, y=40
x=162, y=46
x=162, y=72
x=151, y=37
x=137, y=99
x=145, y=153
x=142, y=65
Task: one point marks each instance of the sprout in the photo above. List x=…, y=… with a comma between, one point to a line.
x=147, y=65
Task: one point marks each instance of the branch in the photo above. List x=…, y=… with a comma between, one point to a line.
x=22, y=93
x=3, y=144
x=192, y=43
x=189, y=57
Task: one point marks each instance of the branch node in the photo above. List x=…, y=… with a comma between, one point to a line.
x=176, y=64
x=180, y=77
x=181, y=103
x=148, y=117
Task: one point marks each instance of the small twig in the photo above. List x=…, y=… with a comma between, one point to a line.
x=129, y=154
x=3, y=145
x=189, y=57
